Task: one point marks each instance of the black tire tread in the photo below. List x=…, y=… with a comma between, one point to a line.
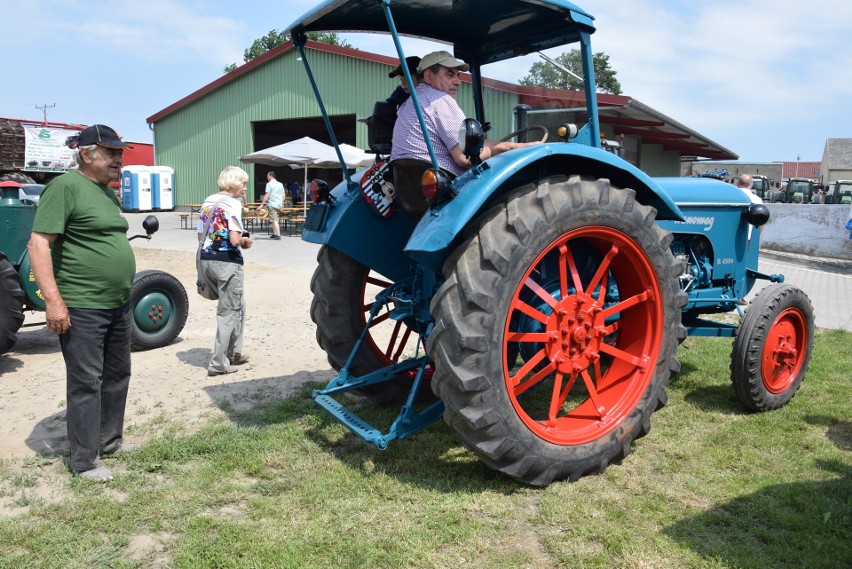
x=746, y=377
x=463, y=338
x=11, y=305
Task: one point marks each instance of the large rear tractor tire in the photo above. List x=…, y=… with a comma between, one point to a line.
x=160, y=306
x=773, y=347
x=344, y=291
x=11, y=305
x=556, y=330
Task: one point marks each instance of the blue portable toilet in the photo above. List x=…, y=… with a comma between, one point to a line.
x=136, y=189
x=162, y=188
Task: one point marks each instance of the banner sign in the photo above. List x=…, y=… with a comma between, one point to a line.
x=45, y=148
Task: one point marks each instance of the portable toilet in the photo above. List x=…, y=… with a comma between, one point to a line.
x=162, y=188
x=136, y=189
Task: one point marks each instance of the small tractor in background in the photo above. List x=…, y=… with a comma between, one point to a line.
x=760, y=185
x=540, y=295
x=158, y=300
x=797, y=190
x=839, y=193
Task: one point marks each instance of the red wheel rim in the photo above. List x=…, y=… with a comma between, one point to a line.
x=589, y=359
x=390, y=340
x=784, y=351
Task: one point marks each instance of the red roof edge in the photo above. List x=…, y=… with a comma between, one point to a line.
x=260, y=60
x=537, y=96
x=67, y=126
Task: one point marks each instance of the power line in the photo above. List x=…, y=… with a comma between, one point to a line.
x=44, y=109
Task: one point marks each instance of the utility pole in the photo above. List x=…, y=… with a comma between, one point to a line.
x=44, y=109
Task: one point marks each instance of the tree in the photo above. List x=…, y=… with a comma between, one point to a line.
x=275, y=38
x=545, y=74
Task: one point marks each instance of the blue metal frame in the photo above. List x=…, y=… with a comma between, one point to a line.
x=408, y=421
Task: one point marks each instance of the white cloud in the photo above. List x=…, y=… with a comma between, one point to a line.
x=154, y=30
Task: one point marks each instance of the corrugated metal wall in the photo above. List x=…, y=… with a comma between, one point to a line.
x=212, y=132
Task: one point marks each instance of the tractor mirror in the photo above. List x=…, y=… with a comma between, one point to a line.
x=757, y=214
x=151, y=224
x=471, y=139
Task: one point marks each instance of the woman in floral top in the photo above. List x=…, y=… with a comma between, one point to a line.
x=222, y=263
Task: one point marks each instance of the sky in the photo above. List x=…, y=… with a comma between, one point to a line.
x=766, y=79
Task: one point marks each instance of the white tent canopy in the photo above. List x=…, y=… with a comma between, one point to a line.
x=307, y=153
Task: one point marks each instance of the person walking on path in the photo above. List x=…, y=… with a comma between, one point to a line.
x=84, y=266
x=273, y=200
x=222, y=263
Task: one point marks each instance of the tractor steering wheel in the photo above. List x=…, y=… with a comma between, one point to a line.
x=537, y=127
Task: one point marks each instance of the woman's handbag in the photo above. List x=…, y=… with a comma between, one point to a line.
x=205, y=288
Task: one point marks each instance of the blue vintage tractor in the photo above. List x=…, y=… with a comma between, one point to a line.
x=158, y=300
x=543, y=293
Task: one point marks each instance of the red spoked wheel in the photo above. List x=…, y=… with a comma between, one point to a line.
x=556, y=329
x=344, y=293
x=592, y=358
x=773, y=347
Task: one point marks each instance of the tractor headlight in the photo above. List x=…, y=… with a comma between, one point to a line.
x=567, y=131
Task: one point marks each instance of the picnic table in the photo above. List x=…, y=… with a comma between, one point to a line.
x=187, y=220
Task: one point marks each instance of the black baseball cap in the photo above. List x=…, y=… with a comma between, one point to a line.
x=101, y=135
x=412, y=63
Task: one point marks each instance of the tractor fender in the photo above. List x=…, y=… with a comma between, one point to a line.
x=480, y=187
x=352, y=228
x=32, y=292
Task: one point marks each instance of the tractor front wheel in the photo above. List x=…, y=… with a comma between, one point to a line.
x=160, y=306
x=773, y=347
x=11, y=305
x=556, y=329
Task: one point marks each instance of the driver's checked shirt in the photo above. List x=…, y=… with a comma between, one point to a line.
x=443, y=118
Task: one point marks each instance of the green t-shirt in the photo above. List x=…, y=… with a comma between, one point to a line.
x=93, y=263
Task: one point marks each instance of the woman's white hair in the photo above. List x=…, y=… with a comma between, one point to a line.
x=232, y=177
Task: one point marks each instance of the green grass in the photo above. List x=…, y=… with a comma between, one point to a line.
x=283, y=485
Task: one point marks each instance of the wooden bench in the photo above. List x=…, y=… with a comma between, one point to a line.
x=249, y=221
x=294, y=224
x=184, y=220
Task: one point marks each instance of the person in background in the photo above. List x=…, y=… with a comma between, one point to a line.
x=319, y=192
x=84, y=266
x=295, y=190
x=273, y=200
x=440, y=76
x=401, y=93
x=222, y=263
x=744, y=183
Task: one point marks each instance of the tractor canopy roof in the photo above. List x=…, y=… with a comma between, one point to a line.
x=480, y=32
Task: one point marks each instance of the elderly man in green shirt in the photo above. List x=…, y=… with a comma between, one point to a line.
x=84, y=265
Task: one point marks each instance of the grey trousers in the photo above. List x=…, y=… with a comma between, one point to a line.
x=230, y=312
x=96, y=349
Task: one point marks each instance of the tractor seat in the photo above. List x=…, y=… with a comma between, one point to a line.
x=407, y=173
x=380, y=127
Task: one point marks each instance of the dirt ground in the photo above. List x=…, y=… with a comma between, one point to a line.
x=169, y=382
